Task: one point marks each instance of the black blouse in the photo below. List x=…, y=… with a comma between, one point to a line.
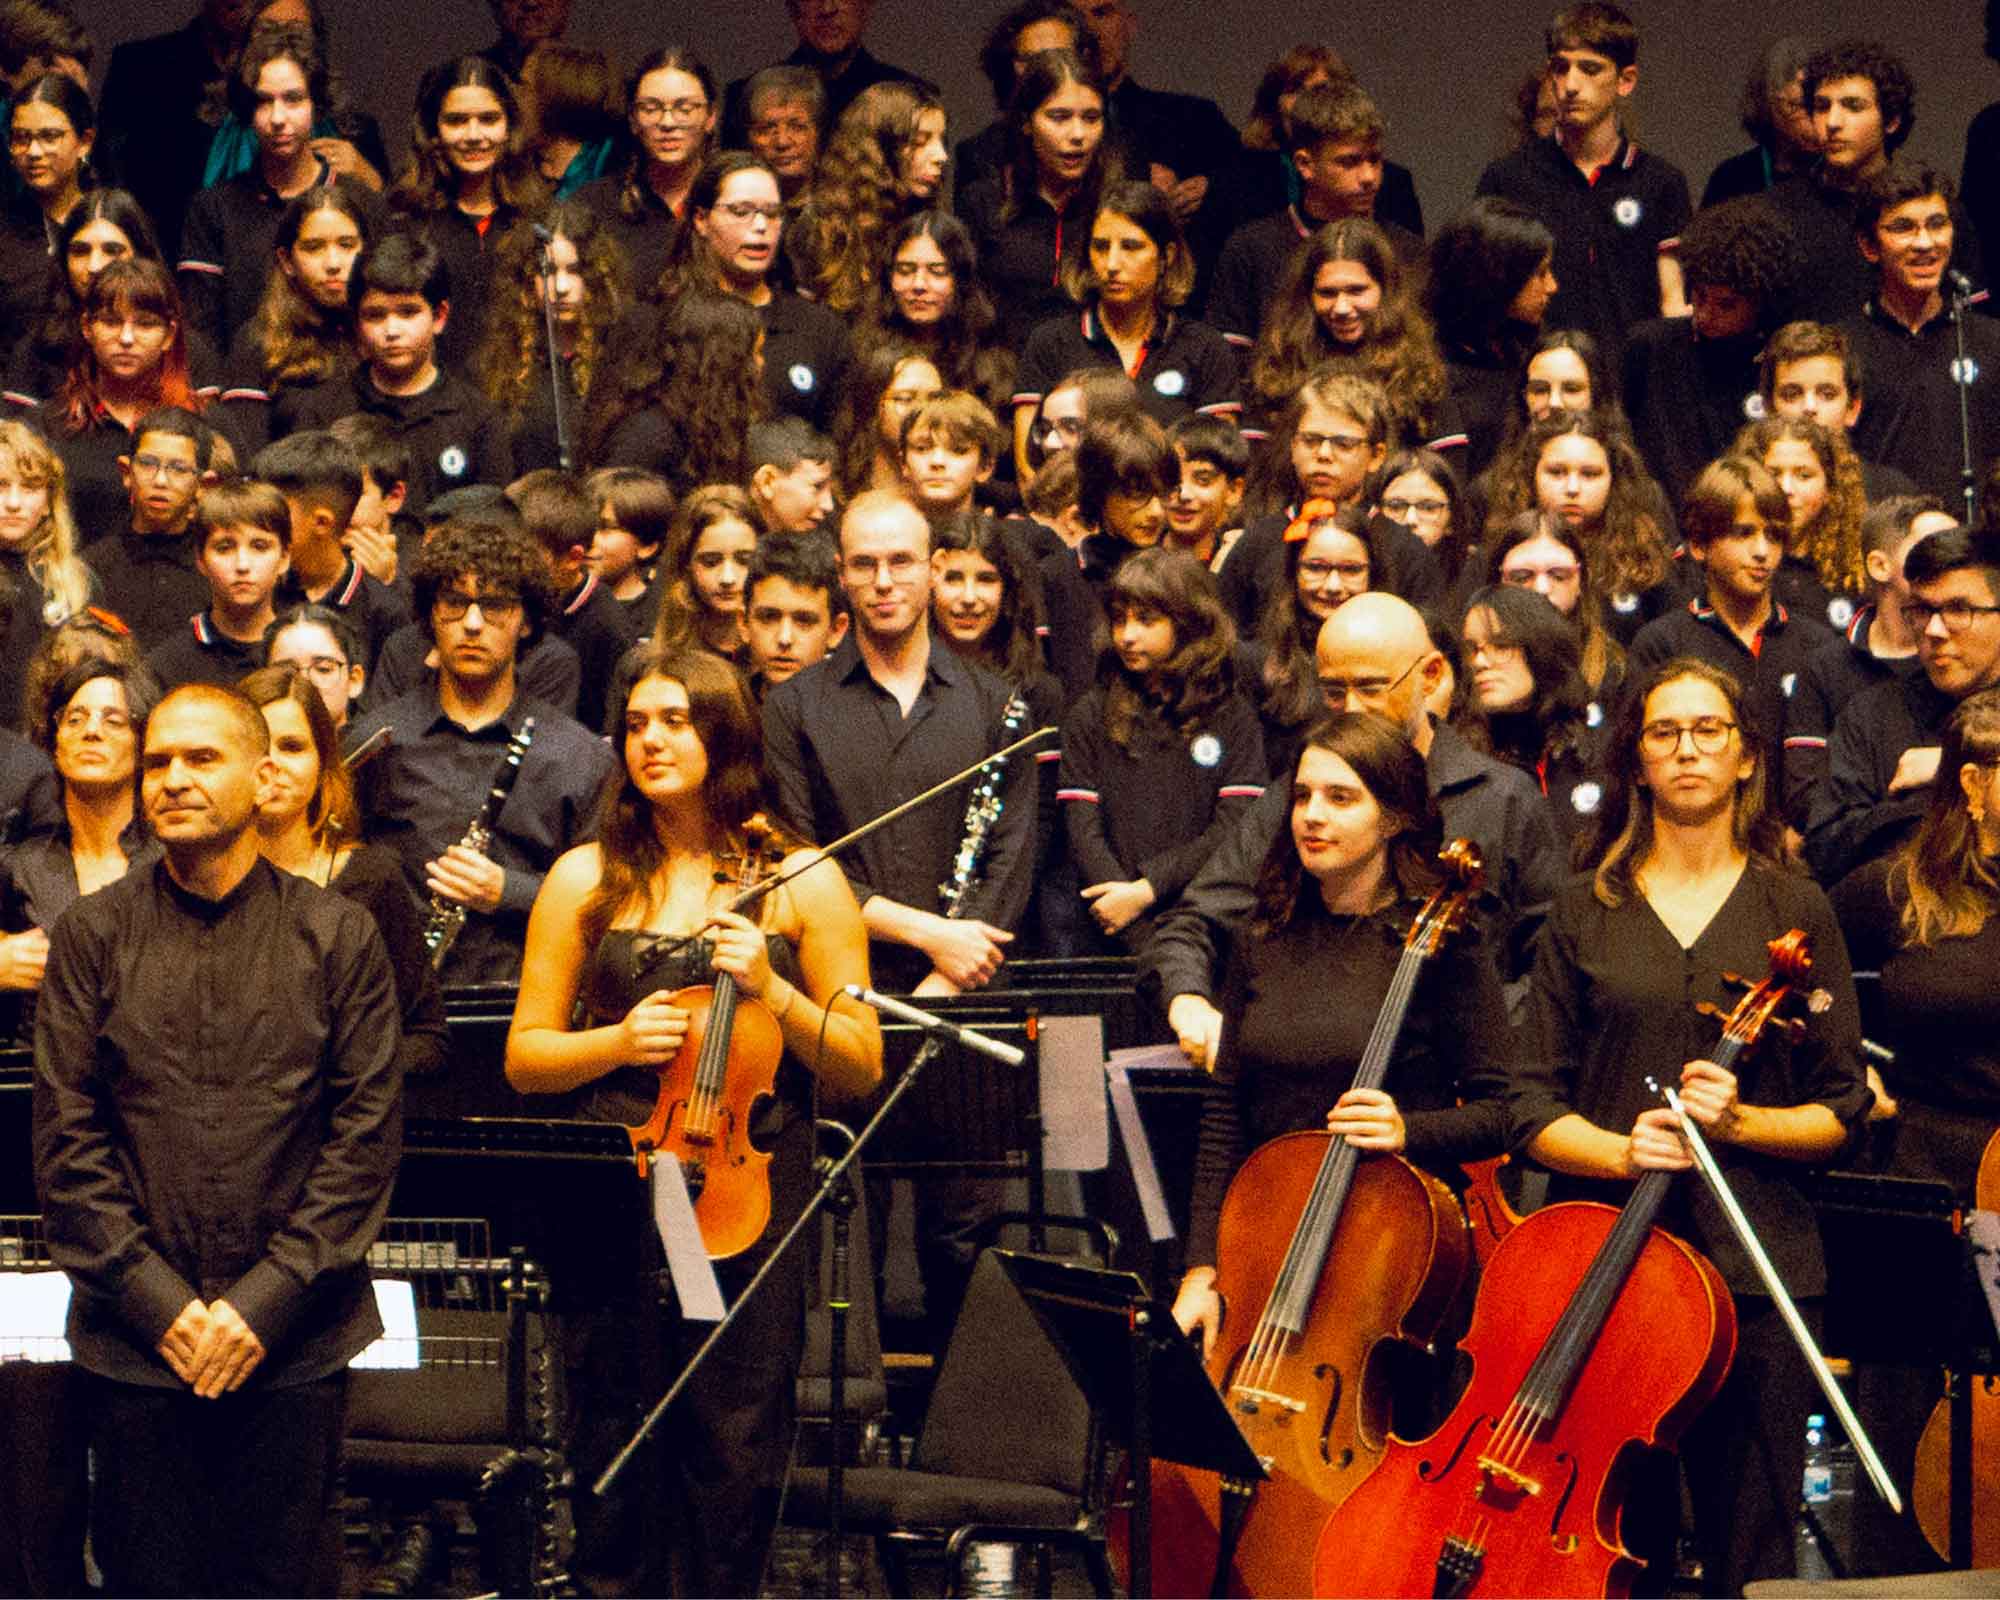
x=1298, y=1006
x=1612, y=1002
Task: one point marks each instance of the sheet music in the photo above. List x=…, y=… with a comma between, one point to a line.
x=1138, y=1149
x=1076, y=1132
x=687, y=1257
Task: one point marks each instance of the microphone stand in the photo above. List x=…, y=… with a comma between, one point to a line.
x=1961, y=298
x=547, y=239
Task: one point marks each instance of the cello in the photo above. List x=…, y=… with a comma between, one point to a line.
x=1593, y=1332
x=709, y=1091
x=1378, y=1251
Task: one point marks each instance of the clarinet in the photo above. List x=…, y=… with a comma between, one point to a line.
x=447, y=917
x=981, y=812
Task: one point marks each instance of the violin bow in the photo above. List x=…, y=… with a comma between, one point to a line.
x=1704, y=1158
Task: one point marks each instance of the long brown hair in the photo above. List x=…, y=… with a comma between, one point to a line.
x=127, y=287
x=513, y=358
x=331, y=814
x=725, y=720
x=429, y=184
x=1949, y=885
x=300, y=341
x=837, y=244
x=1628, y=547
x=1833, y=542
x=1186, y=689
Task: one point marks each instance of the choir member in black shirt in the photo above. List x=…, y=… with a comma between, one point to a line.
x=322, y=644
x=483, y=591
x=1824, y=573
x=829, y=34
x=1876, y=646
x=613, y=936
x=705, y=572
x=1307, y=974
x=1907, y=337
x=93, y=731
x=1735, y=520
x=931, y=293
x=243, y=541
x=560, y=516
x=635, y=514
x=1420, y=489
x=1883, y=756
x=681, y=404
x=1016, y=37
x=1691, y=382
x=1775, y=115
x=51, y=130
x=308, y=827
x=1615, y=210
x=1812, y=374
x=218, y=1113
x=1689, y=884
x=795, y=611
x=146, y=574
x=47, y=582
x=671, y=102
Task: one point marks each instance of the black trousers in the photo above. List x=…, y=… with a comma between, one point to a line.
x=217, y=1497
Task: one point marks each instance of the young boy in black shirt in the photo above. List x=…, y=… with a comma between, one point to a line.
x=560, y=517
x=147, y=573
x=1811, y=370
x=794, y=608
x=635, y=513
x=245, y=532
x=791, y=475
x=381, y=535
x=1202, y=511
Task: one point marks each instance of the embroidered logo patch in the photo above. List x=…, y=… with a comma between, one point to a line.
x=452, y=461
x=803, y=378
x=1625, y=604
x=1840, y=612
x=1207, y=750
x=1965, y=372
x=1171, y=382
x=1753, y=406
x=1626, y=212
x=1586, y=797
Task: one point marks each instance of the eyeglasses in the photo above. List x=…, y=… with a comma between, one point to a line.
x=901, y=569
x=330, y=667
x=745, y=210
x=669, y=110
x=158, y=467
x=1344, y=444
x=451, y=605
x=1936, y=225
x=1338, y=691
x=1398, y=509
x=1710, y=736
x=1348, y=572
x=1957, y=614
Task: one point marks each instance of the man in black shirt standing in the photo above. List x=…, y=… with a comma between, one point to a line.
x=217, y=1124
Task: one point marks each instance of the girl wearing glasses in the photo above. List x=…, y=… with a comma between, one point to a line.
x=929, y=293
x=670, y=106
x=1533, y=550
x=1421, y=490
x=321, y=643
x=51, y=127
x=1329, y=558
x=1686, y=883
x=1825, y=571
x=469, y=179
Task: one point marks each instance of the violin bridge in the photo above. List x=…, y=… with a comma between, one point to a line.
x=1503, y=1479
x=1251, y=1401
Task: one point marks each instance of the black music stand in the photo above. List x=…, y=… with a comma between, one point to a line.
x=1901, y=1291
x=1142, y=1377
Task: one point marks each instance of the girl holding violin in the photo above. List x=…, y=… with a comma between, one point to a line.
x=1688, y=885
x=606, y=937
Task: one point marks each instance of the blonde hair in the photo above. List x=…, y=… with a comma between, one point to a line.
x=51, y=549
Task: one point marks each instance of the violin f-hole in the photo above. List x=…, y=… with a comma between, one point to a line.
x=1330, y=1375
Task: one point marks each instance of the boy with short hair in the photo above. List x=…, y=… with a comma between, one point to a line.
x=561, y=516
x=949, y=447
x=320, y=479
x=243, y=533
x=794, y=608
x=635, y=512
x=791, y=475
x=400, y=294
x=1202, y=512
x=381, y=534
x=1812, y=371
x=146, y=574
x=1616, y=211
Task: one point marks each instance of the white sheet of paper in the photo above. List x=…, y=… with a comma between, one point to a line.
x=398, y=1349
x=34, y=1312
x=1076, y=1129
x=687, y=1257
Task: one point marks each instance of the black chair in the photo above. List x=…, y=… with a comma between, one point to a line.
x=1009, y=1452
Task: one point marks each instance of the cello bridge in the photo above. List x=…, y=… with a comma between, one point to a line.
x=1504, y=1480
x=1251, y=1401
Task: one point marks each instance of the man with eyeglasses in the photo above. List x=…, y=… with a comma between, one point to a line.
x=146, y=574
x=1907, y=340
x=885, y=715
x=1883, y=757
x=483, y=591
x=1373, y=654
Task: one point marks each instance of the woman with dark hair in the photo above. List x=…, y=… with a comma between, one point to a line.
x=1421, y=490
x=1491, y=279
x=672, y=101
x=1031, y=219
x=682, y=406
x=1774, y=113
x=1583, y=468
x=322, y=643
x=51, y=127
x=608, y=947
x=302, y=335
x=885, y=160
x=1688, y=888
x=888, y=383
x=1135, y=273
x=1523, y=698
x=1565, y=370
x=1537, y=550
x=1307, y=975
x=568, y=97
x=1347, y=302
x=469, y=180
x=1330, y=557
x=132, y=358
x=1161, y=758
x=94, y=730
x=564, y=267
x=930, y=294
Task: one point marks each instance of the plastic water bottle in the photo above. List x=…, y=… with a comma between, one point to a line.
x=1823, y=1540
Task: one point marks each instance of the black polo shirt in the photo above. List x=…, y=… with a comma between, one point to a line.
x=1909, y=419
x=454, y=435
x=419, y=795
x=806, y=351
x=1688, y=397
x=1769, y=672
x=227, y=246
x=1255, y=259
x=149, y=581
x=1021, y=257
x=644, y=225
x=375, y=609
x=1610, y=229
x=1187, y=367
x=1840, y=279
x=150, y=130
x=1837, y=673
x=1853, y=816
x=467, y=244
x=199, y=652
x=841, y=752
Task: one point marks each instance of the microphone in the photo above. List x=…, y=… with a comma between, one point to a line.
x=1961, y=285
x=1009, y=1055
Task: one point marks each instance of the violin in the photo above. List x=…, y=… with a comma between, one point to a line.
x=1377, y=1250
x=1930, y=1489
x=1593, y=1333
x=709, y=1091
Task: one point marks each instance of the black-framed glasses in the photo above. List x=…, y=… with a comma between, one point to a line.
x=1710, y=736
x=1957, y=614
x=501, y=608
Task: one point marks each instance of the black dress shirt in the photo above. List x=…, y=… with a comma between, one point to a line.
x=1612, y=1001
x=217, y=1115
x=841, y=752
x=421, y=793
